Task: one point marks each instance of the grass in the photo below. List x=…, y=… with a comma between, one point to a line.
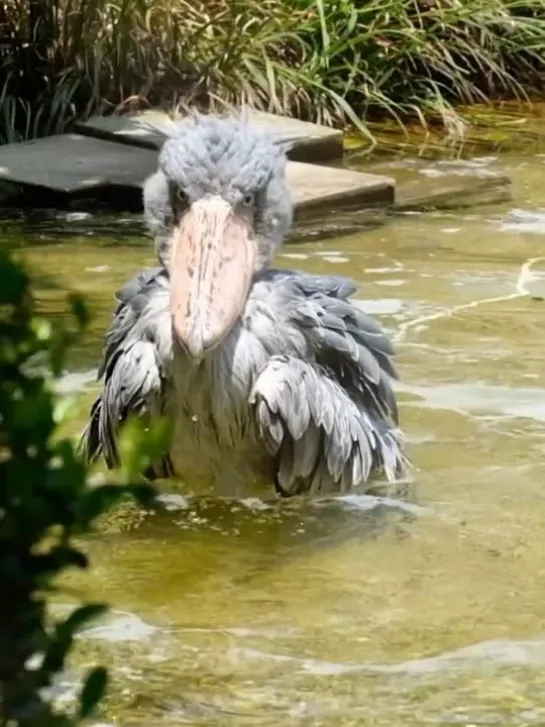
x=337, y=62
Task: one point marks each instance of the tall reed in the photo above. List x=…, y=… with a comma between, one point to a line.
x=333, y=61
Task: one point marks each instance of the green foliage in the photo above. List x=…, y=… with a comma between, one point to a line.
x=45, y=501
x=333, y=61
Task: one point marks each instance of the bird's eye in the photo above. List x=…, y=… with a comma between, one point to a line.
x=248, y=200
x=181, y=196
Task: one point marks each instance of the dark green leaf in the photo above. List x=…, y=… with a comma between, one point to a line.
x=93, y=691
x=79, y=618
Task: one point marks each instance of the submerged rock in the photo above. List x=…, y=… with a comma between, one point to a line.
x=425, y=184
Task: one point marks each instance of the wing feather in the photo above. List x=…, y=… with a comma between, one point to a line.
x=136, y=357
x=327, y=410
x=344, y=339
x=321, y=438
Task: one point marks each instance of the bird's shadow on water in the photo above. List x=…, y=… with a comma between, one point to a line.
x=277, y=530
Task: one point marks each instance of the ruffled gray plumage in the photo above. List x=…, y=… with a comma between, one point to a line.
x=306, y=373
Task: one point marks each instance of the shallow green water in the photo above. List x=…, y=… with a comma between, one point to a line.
x=355, y=613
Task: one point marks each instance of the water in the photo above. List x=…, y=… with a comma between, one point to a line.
x=363, y=612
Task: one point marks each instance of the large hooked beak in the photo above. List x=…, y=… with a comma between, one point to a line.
x=213, y=255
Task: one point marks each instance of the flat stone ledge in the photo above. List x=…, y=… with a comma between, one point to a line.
x=315, y=187
x=72, y=164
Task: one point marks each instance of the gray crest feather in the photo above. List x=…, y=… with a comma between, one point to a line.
x=170, y=128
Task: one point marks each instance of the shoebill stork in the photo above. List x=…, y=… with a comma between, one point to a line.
x=271, y=378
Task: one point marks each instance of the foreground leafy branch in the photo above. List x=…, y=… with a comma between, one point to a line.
x=45, y=501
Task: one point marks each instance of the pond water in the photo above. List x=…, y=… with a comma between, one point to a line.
x=359, y=612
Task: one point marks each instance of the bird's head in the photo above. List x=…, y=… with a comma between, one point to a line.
x=218, y=207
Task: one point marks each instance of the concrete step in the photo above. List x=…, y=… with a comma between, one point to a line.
x=72, y=163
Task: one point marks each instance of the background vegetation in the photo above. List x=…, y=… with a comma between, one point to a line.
x=333, y=61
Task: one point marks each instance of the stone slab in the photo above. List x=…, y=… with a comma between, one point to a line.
x=310, y=142
x=446, y=184
x=315, y=187
x=454, y=194
x=72, y=164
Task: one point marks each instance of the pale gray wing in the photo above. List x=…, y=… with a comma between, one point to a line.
x=338, y=333
x=322, y=439
x=135, y=364
x=327, y=413
x=347, y=341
